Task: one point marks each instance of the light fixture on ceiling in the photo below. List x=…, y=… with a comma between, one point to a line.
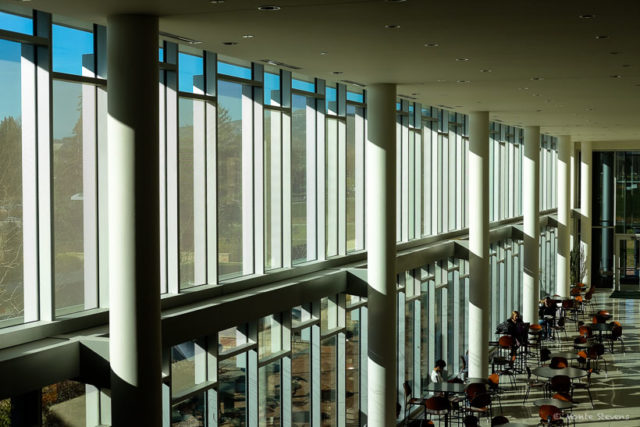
x=586, y=16
x=463, y=81
x=485, y=70
x=441, y=80
x=615, y=52
x=180, y=38
x=396, y=1
x=247, y=36
x=324, y=53
x=602, y=37
x=626, y=65
x=268, y=8
x=462, y=59
x=615, y=76
x=431, y=44
x=229, y=43
x=535, y=79
x=535, y=94
x=523, y=88
x=336, y=72
x=392, y=26
x=415, y=94
x=216, y=1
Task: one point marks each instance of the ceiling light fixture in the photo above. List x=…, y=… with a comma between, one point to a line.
x=535, y=94
x=396, y=1
x=229, y=43
x=432, y=44
x=463, y=81
x=535, y=79
x=601, y=37
x=626, y=65
x=485, y=70
x=336, y=72
x=247, y=36
x=269, y=8
x=216, y=1
x=392, y=26
x=180, y=38
x=462, y=59
x=324, y=53
x=586, y=16
x=614, y=53
x=615, y=76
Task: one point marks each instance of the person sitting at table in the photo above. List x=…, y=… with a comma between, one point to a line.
x=436, y=374
x=515, y=328
x=547, y=314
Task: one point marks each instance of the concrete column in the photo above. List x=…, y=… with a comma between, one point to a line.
x=585, y=208
x=531, y=213
x=572, y=193
x=381, y=254
x=563, y=257
x=479, y=288
x=133, y=215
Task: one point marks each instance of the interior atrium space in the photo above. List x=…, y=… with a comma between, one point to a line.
x=319, y=213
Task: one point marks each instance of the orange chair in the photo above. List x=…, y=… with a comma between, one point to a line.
x=558, y=363
x=550, y=415
x=437, y=405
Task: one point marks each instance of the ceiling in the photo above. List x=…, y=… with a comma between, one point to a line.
x=529, y=62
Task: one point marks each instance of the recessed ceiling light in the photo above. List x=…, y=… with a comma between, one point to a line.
x=324, y=53
x=602, y=36
x=247, y=36
x=392, y=26
x=485, y=70
x=463, y=81
x=229, y=43
x=626, y=65
x=415, y=94
x=538, y=111
x=615, y=52
x=537, y=78
x=462, y=59
x=336, y=72
x=396, y=1
x=216, y=1
x=615, y=76
x=535, y=94
x=441, y=80
x=586, y=16
x=523, y=88
x=432, y=44
x=269, y=8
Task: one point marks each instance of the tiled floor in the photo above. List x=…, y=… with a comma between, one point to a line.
x=616, y=393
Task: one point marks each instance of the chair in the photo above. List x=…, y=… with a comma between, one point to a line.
x=585, y=331
x=585, y=386
x=560, y=384
x=558, y=363
x=409, y=400
x=494, y=387
x=535, y=330
x=437, y=405
x=582, y=358
x=550, y=415
x=545, y=355
x=474, y=389
x=616, y=335
x=595, y=353
x=531, y=384
x=480, y=405
x=560, y=326
x=579, y=307
x=579, y=343
x=499, y=420
x=471, y=421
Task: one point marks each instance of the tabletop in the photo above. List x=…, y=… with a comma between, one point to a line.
x=560, y=404
x=566, y=354
x=445, y=387
x=547, y=372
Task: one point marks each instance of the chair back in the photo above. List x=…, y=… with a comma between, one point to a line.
x=549, y=413
x=585, y=331
x=494, y=380
x=559, y=362
x=505, y=341
x=616, y=332
x=474, y=389
x=437, y=404
x=481, y=401
x=470, y=421
x=545, y=354
x=499, y=420
x=407, y=389
x=561, y=383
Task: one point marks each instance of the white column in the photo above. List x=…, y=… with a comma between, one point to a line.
x=563, y=257
x=133, y=212
x=585, y=208
x=479, y=288
x=381, y=256
x=530, y=212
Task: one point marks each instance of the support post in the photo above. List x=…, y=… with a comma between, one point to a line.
x=381, y=256
x=479, y=244
x=133, y=212
x=563, y=257
x=530, y=211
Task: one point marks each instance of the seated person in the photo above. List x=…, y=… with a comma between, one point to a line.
x=436, y=374
x=547, y=308
x=515, y=328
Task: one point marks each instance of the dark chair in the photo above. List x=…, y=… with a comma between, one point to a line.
x=471, y=421
x=409, y=400
x=616, y=335
x=560, y=327
x=595, y=354
x=586, y=385
x=545, y=355
x=494, y=387
x=558, y=363
x=499, y=420
x=474, y=389
x=560, y=384
x=438, y=406
x=480, y=405
x=531, y=383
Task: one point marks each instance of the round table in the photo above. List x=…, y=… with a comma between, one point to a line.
x=547, y=372
x=560, y=404
x=569, y=355
x=600, y=327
